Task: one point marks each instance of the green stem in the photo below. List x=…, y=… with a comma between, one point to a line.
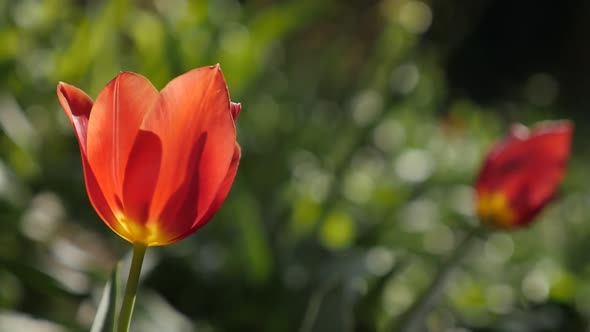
x=131, y=287
x=417, y=313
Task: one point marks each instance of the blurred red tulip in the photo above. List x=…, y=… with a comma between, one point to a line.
x=157, y=165
x=521, y=173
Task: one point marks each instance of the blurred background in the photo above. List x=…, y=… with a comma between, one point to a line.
x=363, y=125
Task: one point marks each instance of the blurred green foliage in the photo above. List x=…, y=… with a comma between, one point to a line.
x=354, y=183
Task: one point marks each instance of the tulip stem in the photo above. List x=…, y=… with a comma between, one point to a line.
x=415, y=316
x=139, y=250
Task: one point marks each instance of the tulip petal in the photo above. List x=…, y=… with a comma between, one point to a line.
x=549, y=150
x=141, y=176
x=96, y=196
x=77, y=105
x=222, y=193
x=181, y=208
x=527, y=167
x=546, y=147
x=194, y=121
x=113, y=125
x=236, y=108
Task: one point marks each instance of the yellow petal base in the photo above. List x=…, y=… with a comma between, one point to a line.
x=150, y=234
x=493, y=209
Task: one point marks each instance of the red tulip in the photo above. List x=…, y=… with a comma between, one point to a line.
x=157, y=165
x=521, y=173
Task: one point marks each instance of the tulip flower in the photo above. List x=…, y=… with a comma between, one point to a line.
x=157, y=164
x=520, y=174
x=519, y=177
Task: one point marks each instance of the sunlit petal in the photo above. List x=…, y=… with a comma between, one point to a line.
x=113, y=126
x=77, y=106
x=194, y=122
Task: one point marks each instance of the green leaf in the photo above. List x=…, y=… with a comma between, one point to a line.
x=255, y=244
x=104, y=321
